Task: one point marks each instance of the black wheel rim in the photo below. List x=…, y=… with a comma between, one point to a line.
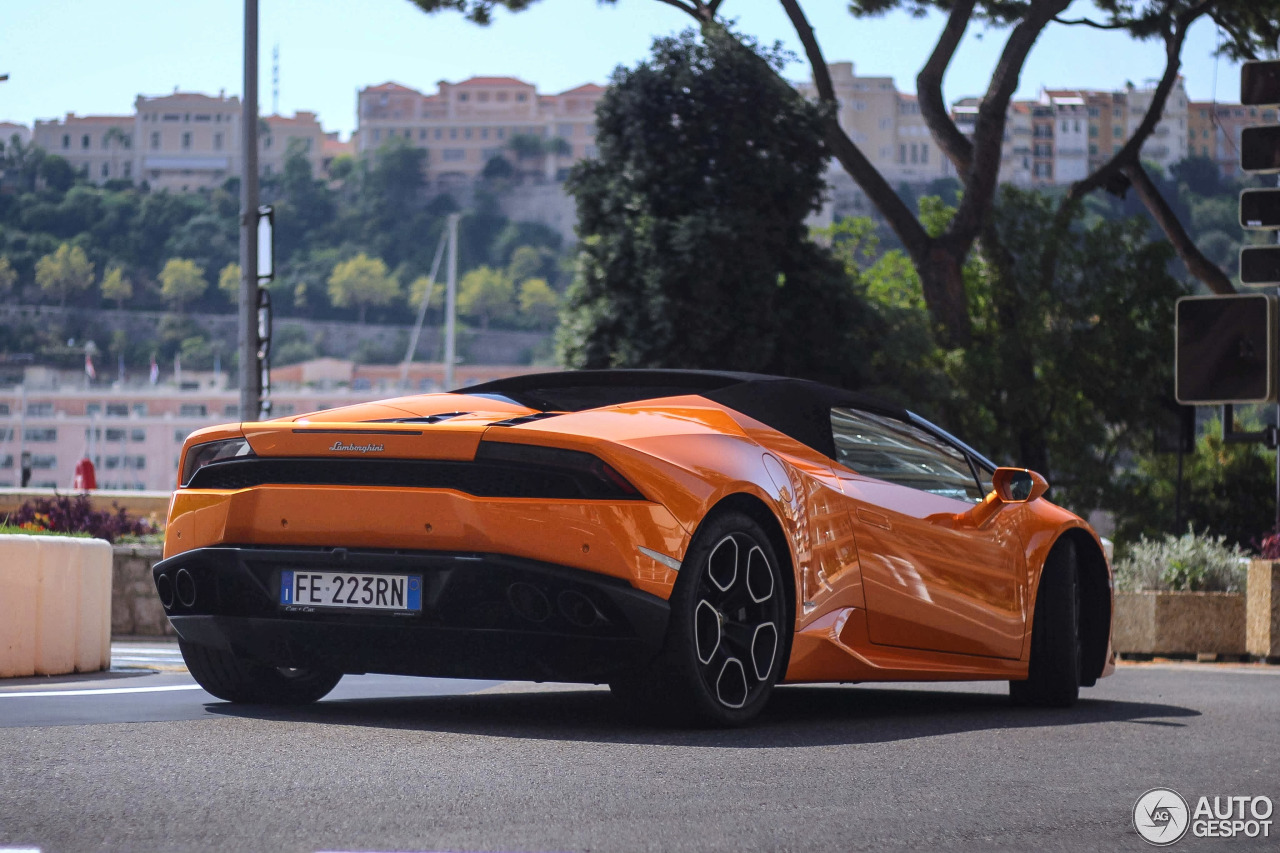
x=737, y=621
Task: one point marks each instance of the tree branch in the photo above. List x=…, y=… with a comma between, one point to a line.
x=1200, y=266
x=988, y=135
x=933, y=106
x=900, y=218
x=689, y=9
x=1131, y=152
x=1075, y=22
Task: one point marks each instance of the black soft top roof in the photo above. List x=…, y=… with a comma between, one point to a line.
x=798, y=408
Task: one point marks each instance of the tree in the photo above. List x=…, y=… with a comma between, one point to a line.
x=8, y=276
x=1248, y=27
x=362, y=281
x=526, y=262
x=182, y=280
x=229, y=282
x=538, y=302
x=116, y=286
x=487, y=294
x=66, y=272
x=695, y=251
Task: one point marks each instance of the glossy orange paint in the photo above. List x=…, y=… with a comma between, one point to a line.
x=889, y=583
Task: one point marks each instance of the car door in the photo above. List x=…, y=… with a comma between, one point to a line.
x=936, y=576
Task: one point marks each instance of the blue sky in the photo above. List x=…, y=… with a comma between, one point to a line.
x=93, y=57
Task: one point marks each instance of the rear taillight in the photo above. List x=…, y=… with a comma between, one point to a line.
x=596, y=478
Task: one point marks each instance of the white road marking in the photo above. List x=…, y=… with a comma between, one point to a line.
x=97, y=691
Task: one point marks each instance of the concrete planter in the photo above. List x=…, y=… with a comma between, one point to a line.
x=135, y=607
x=1173, y=623
x=1262, y=615
x=55, y=605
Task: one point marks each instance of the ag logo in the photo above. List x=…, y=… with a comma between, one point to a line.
x=1161, y=816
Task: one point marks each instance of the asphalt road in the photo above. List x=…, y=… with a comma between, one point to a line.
x=419, y=764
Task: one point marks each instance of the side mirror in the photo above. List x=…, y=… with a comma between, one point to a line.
x=1018, y=485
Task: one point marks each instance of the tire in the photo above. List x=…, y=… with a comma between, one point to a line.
x=729, y=634
x=236, y=679
x=1053, y=677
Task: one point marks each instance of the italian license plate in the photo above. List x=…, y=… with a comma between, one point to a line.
x=351, y=590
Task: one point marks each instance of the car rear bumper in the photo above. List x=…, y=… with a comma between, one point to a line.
x=483, y=615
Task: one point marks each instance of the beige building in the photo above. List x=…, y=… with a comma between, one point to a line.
x=465, y=125
x=183, y=141
x=1213, y=131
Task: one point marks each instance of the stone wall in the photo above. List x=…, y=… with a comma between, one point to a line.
x=135, y=607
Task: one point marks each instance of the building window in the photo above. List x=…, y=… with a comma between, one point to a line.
x=128, y=169
x=453, y=155
x=1093, y=149
x=422, y=135
x=463, y=96
x=453, y=133
x=117, y=410
x=564, y=131
x=140, y=409
x=193, y=410
x=924, y=152
x=217, y=141
x=1117, y=131
x=902, y=153
x=232, y=410
x=484, y=133
x=186, y=140
x=482, y=97
x=39, y=410
x=521, y=97
x=155, y=140
x=502, y=133
x=106, y=170
x=115, y=435
x=4, y=409
x=137, y=435
x=66, y=140
x=439, y=133
x=466, y=133
x=180, y=435
x=84, y=141
x=40, y=434
x=44, y=462
x=1093, y=131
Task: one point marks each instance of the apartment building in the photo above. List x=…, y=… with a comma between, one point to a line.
x=10, y=129
x=182, y=142
x=886, y=124
x=134, y=434
x=1213, y=131
x=465, y=125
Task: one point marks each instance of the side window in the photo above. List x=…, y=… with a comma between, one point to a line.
x=984, y=477
x=896, y=452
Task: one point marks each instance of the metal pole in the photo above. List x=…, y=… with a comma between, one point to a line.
x=451, y=306
x=247, y=328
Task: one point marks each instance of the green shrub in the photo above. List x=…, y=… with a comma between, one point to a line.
x=1191, y=562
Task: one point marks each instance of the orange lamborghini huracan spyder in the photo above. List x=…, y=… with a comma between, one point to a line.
x=691, y=538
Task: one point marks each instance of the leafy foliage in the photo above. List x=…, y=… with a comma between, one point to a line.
x=1228, y=489
x=75, y=514
x=66, y=272
x=1191, y=562
x=362, y=281
x=181, y=281
x=694, y=246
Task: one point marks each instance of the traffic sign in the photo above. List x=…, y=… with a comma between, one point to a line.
x=1226, y=349
x=1260, y=266
x=1260, y=209
x=1260, y=83
x=1260, y=149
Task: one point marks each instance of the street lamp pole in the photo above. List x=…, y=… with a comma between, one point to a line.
x=247, y=326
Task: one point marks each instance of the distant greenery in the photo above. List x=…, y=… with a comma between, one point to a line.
x=65, y=241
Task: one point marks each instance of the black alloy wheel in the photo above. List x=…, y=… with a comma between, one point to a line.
x=729, y=635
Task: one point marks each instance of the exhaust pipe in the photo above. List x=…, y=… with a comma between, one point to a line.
x=164, y=587
x=529, y=602
x=185, y=586
x=578, y=609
